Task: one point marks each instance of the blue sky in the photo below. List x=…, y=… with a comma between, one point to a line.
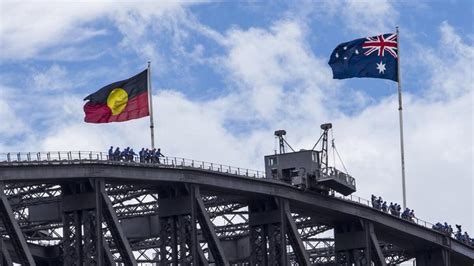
x=227, y=74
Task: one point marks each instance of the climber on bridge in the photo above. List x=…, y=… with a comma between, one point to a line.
x=158, y=154
x=111, y=153
x=384, y=207
x=411, y=215
x=153, y=155
x=458, y=234
x=116, y=156
x=405, y=214
x=131, y=155
x=147, y=155
x=124, y=154
x=392, y=209
x=141, y=153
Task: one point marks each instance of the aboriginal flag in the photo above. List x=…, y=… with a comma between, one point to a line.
x=120, y=101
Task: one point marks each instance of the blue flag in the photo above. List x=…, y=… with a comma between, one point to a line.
x=371, y=57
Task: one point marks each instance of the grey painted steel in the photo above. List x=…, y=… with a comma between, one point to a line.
x=37, y=251
x=335, y=209
x=267, y=226
x=436, y=257
x=228, y=182
x=99, y=239
x=178, y=232
x=375, y=244
x=108, y=257
x=5, y=258
x=208, y=228
x=82, y=232
x=116, y=231
x=294, y=237
x=14, y=231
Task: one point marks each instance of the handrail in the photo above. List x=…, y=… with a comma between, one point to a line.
x=74, y=157
x=338, y=174
x=366, y=202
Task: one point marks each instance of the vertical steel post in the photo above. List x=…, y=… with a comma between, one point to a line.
x=150, y=102
x=194, y=240
x=400, y=115
x=99, y=183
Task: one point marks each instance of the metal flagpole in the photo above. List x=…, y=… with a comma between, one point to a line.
x=150, y=102
x=400, y=115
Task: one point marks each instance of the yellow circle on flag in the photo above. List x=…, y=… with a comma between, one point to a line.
x=117, y=100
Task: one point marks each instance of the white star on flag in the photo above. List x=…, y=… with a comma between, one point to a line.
x=381, y=67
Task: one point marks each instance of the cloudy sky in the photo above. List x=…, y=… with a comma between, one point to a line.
x=227, y=74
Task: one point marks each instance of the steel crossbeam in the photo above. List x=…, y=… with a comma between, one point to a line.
x=194, y=218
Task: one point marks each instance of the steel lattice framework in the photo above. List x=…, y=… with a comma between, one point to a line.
x=81, y=209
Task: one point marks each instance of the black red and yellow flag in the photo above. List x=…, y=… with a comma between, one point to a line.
x=120, y=101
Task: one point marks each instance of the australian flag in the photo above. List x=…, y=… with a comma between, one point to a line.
x=372, y=57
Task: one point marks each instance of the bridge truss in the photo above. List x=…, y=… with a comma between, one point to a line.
x=97, y=219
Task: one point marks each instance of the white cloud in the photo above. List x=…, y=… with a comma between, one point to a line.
x=54, y=78
x=451, y=65
x=10, y=123
x=29, y=27
x=277, y=73
x=282, y=84
x=363, y=17
x=369, y=17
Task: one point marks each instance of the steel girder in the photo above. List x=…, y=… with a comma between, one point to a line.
x=117, y=233
x=13, y=230
x=82, y=224
x=228, y=217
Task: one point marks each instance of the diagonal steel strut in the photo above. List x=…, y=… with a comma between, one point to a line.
x=208, y=230
x=116, y=231
x=375, y=243
x=294, y=237
x=13, y=230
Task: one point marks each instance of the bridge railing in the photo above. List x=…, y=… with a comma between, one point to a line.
x=65, y=157
x=71, y=157
x=366, y=202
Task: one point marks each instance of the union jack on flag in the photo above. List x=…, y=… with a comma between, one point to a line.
x=380, y=44
x=372, y=57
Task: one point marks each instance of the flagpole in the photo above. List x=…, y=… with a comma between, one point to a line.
x=150, y=101
x=400, y=115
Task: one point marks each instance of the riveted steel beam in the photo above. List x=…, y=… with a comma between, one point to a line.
x=267, y=225
x=14, y=231
x=5, y=258
x=293, y=236
x=115, y=228
x=208, y=230
x=108, y=257
x=178, y=232
x=378, y=252
x=82, y=223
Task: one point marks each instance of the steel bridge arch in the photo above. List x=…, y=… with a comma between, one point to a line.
x=278, y=223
